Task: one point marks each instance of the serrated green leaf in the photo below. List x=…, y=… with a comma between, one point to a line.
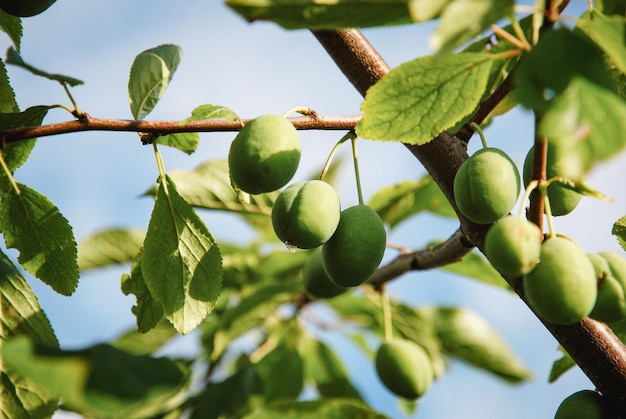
x=561, y=366
x=588, y=121
x=326, y=370
x=397, y=203
x=150, y=74
x=34, y=226
x=181, y=263
x=418, y=100
x=16, y=153
x=560, y=56
x=208, y=111
x=13, y=57
x=12, y=26
x=7, y=95
x=313, y=14
x=468, y=336
x=619, y=231
x=147, y=311
x=109, y=247
x=609, y=33
x=101, y=381
x=463, y=20
x=186, y=142
x=335, y=408
x=477, y=267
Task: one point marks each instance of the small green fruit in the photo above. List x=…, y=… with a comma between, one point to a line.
x=585, y=404
x=306, y=214
x=264, y=155
x=317, y=284
x=562, y=288
x=610, y=271
x=404, y=368
x=356, y=249
x=486, y=186
x=513, y=245
x=562, y=200
x=25, y=8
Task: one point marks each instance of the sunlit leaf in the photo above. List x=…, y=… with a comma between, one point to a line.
x=150, y=75
x=147, y=311
x=335, y=408
x=7, y=95
x=561, y=366
x=100, y=381
x=421, y=98
x=209, y=111
x=609, y=33
x=186, y=142
x=13, y=57
x=181, y=263
x=619, y=231
x=463, y=20
x=16, y=153
x=33, y=225
x=138, y=343
x=12, y=26
x=109, y=247
x=477, y=267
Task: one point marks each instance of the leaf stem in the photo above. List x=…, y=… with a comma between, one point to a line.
x=387, y=320
x=355, y=159
x=298, y=109
x=329, y=159
x=7, y=171
x=159, y=160
x=76, y=112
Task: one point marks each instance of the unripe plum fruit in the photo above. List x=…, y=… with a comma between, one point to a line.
x=306, y=214
x=356, y=248
x=264, y=155
x=25, y=8
x=610, y=271
x=486, y=186
x=562, y=200
x=585, y=404
x=562, y=288
x=317, y=284
x=513, y=245
x=404, y=368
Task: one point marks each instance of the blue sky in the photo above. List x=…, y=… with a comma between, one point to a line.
x=96, y=178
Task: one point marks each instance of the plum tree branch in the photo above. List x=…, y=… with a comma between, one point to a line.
x=592, y=345
x=85, y=122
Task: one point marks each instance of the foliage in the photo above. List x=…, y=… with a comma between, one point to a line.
x=183, y=280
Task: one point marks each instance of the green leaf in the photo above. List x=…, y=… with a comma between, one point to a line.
x=477, y=267
x=560, y=56
x=335, y=408
x=397, y=203
x=469, y=337
x=109, y=247
x=147, y=311
x=619, y=231
x=101, y=381
x=561, y=366
x=588, y=121
x=138, y=343
x=314, y=14
x=7, y=95
x=181, y=263
x=326, y=370
x=150, y=74
x=16, y=153
x=12, y=26
x=611, y=7
x=186, y=142
x=13, y=57
x=34, y=226
x=463, y=20
x=208, y=111
x=416, y=101
x=609, y=33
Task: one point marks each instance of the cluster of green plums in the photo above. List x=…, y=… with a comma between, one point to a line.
x=562, y=283
x=264, y=157
x=25, y=8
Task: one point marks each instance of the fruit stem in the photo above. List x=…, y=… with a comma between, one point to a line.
x=479, y=130
x=329, y=160
x=356, y=170
x=529, y=189
x=543, y=187
x=387, y=321
x=298, y=109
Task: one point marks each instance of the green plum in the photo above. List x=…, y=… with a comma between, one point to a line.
x=486, y=186
x=317, y=284
x=585, y=404
x=562, y=200
x=562, y=288
x=513, y=245
x=404, y=368
x=25, y=8
x=610, y=271
x=356, y=248
x=306, y=214
x=264, y=155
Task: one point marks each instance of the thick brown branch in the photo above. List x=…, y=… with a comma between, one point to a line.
x=87, y=123
x=592, y=345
